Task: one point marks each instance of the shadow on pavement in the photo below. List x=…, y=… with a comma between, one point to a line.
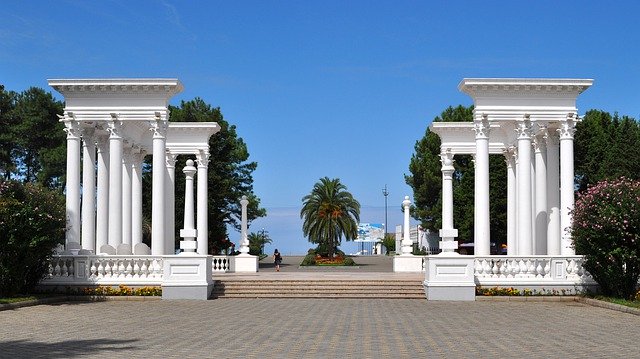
x=64, y=349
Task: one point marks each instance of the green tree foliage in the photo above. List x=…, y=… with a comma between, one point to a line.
x=32, y=140
x=389, y=242
x=606, y=147
x=606, y=230
x=32, y=224
x=230, y=175
x=257, y=242
x=426, y=181
x=329, y=213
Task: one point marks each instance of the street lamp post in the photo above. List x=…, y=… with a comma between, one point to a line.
x=385, y=193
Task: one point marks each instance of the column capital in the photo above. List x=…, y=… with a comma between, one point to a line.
x=481, y=127
x=115, y=128
x=72, y=128
x=446, y=158
x=567, y=128
x=159, y=127
x=524, y=128
x=540, y=139
x=510, y=154
x=170, y=159
x=203, y=158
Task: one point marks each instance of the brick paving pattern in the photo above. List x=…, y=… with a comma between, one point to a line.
x=317, y=328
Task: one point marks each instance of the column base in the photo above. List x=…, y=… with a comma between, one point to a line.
x=187, y=277
x=450, y=277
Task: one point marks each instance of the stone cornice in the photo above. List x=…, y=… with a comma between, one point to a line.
x=71, y=87
x=523, y=86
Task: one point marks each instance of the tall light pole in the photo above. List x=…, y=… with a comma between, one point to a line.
x=385, y=193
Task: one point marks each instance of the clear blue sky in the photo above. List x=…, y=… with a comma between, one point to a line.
x=327, y=88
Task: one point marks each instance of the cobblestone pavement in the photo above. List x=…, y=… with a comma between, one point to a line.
x=317, y=328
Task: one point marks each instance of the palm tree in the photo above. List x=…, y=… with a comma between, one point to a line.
x=257, y=242
x=330, y=212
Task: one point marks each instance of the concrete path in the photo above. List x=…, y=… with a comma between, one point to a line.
x=317, y=328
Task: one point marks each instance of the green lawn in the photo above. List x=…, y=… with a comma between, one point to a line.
x=627, y=303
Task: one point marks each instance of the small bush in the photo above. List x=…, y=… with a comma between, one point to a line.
x=309, y=260
x=606, y=230
x=32, y=224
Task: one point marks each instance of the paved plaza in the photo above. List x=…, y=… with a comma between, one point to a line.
x=317, y=328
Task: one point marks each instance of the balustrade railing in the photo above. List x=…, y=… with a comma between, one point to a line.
x=120, y=269
x=530, y=267
x=221, y=264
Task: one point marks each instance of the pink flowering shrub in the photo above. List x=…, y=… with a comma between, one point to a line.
x=606, y=230
x=32, y=224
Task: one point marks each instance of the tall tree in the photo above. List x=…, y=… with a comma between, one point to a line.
x=606, y=147
x=230, y=174
x=32, y=140
x=329, y=213
x=426, y=181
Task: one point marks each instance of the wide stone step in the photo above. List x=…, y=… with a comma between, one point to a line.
x=239, y=288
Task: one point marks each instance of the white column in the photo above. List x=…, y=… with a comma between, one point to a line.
x=115, y=182
x=88, y=190
x=448, y=232
x=244, y=239
x=524, y=187
x=126, y=196
x=553, y=193
x=136, y=198
x=73, y=182
x=189, y=233
x=407, y=245
x=158, y=200
x=482, y=234
x=102, y=202
x=517, y=212
x=511, y=201
x=541, y=191
x=567, y=130
x=203, y=203
x=170, y=190
x=533, y=193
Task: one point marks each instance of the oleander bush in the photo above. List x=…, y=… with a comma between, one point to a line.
x=32, y=224
x=606, y=230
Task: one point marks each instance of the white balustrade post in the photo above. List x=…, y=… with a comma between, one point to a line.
x=102, y=202
x=407, y=244
x=73, y=182
x=448, y=233
x=244, y=238
x=126, y=196
x=136, y=198
x=158, y=200
x=553, y=193
x=524, y=187
x=511, y=201
x=189, y=233
x=567, y=130
x=482, y=236
x=170, y=190
x=203, y=201
x=115, y=181
x=88, y=190
x=541, y=191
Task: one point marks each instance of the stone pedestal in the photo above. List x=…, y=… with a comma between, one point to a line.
x=187, y=276
x=244, y=263
x=407, y=263
x=449, y=277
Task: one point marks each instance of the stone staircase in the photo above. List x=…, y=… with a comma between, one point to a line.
x=318, y=288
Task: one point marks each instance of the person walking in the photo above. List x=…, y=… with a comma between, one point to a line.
x=277, y=260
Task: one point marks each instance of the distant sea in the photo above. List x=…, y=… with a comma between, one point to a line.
x=285, y=228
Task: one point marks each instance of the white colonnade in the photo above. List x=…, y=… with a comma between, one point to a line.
x=123, y=120
x=532, y=123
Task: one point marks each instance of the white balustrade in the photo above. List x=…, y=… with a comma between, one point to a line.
x=109, y=270
x=220, y=264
